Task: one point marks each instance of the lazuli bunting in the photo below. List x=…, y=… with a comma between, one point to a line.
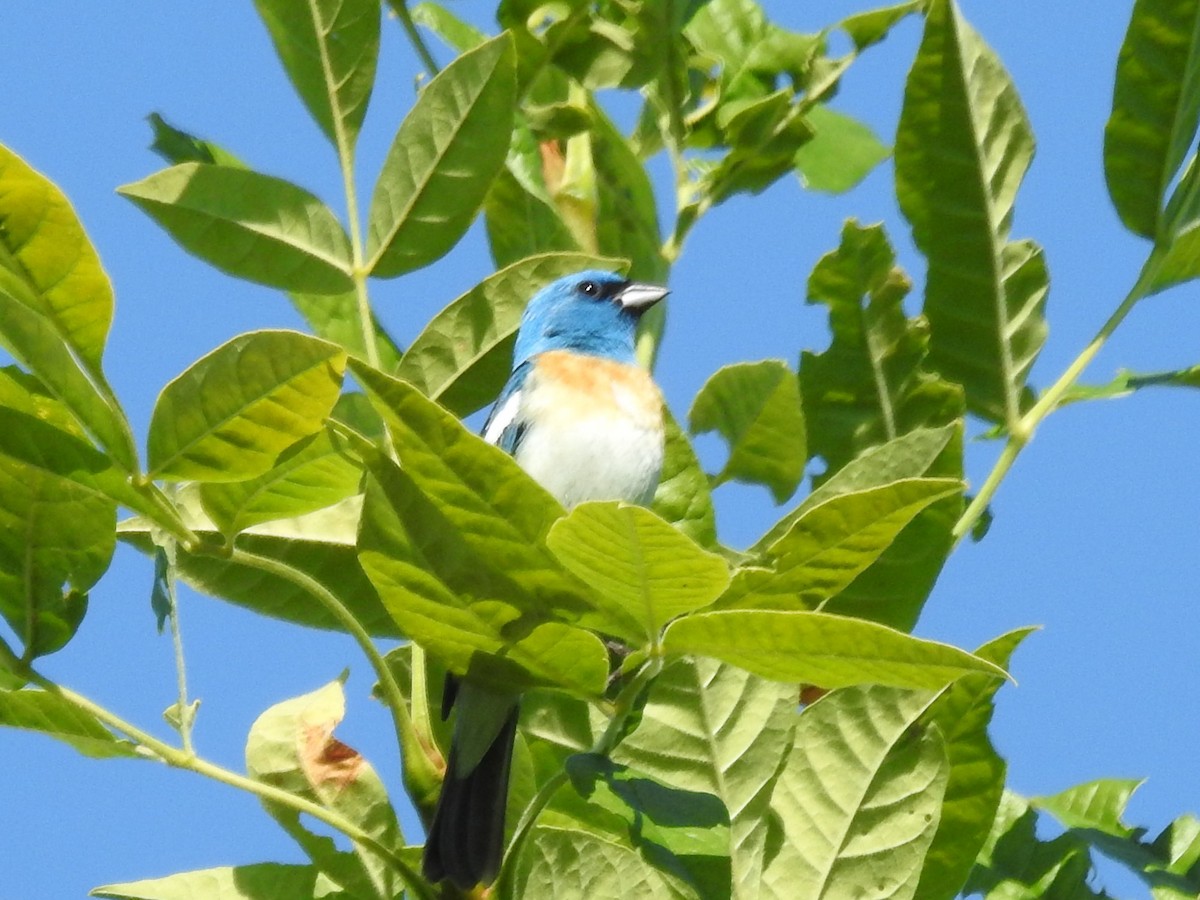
x=586, y=422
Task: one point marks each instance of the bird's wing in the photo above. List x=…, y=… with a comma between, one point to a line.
x=504, y=427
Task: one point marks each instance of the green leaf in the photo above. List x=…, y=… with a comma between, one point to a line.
x=910, y=456
x=642, y=570
x=1126, y=382
x=56, y=303
x=1015, y=865
x=463, y=357
x=1156, y=106
x=563, y=862
x=311, y=474
x=859, y=799
x=250, y=225
x=49, y=713
x=871, y=27
x=821, y=649
x=962, y=149
x=962, y=714
x=756, y=408
x=335, y=318
x=1096, y=805
x=178, y=146
x=39, y=436
x=841, y=153
x=291, y=746
x=235, y=410
x=56, y=534
x=683, y=497
x=320, y=544
x=831, y=544
x=487, y=615
x=262, y=881
x=443, y=159
x=870, y=385
x=713, y=728
x=454, y=32
x=680, y=831
x=521, y=223
x=329, y=49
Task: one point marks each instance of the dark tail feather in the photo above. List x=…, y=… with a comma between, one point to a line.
x=466, y=837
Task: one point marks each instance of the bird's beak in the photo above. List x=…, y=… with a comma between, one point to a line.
x=639, y=296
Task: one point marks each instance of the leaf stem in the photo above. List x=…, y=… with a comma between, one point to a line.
x=604, y=745
x=184, y=709
x=400, y=8
x=185, y=759
x=1027, y=425
x=406, y=733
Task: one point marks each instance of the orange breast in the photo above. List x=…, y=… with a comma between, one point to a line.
x=599, y=386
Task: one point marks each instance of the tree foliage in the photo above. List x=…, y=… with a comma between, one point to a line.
x=701, y=721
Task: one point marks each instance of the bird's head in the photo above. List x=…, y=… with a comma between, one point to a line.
x=592, y=312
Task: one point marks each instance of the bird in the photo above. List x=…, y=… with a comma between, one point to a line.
x=583, y=419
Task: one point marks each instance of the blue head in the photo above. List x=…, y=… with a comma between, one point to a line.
x=590, y=312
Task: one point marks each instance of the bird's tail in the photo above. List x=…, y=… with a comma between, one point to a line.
x=466, y=837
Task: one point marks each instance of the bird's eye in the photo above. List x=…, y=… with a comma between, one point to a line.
x=589, y=288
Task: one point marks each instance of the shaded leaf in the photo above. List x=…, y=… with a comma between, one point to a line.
x=329, y=49
x=871, y=27
x=443, y=159
x=482, y=618
x=756, y=408
x=250, y=225
x=713, y=728
x=311, y=474
x=859, y=799
x=821, y=649
x=962, y=149
x=291, y=746
x=638, y=565
x=1126, y=382
x=840, y=154
x=36, y=710
x=1156, y=106
x=463, y=356
x=321, y=545
x=870, y=385
x=570, y=863
x=962, y=714
x=56, y=303
x=1015, y=865
x=178, y=146
x=262, y=881
x=335, y=317
x=235, y=410
x=683, y=497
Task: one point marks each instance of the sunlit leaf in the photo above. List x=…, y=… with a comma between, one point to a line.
x=443, y=159
x=178, y=146
x=756, y=408
x=248, y=224
x=821, y=649
x=329, y=50
x=291, y=746
x=235, y=410
x=335, y=317
x=859, y=799
x=640, y=566
x=871, y=27
x=56, y=303
x=713, y=728
x=962, y=148
x=49, y=713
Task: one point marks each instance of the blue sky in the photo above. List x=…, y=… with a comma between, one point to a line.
x=1094, y=537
